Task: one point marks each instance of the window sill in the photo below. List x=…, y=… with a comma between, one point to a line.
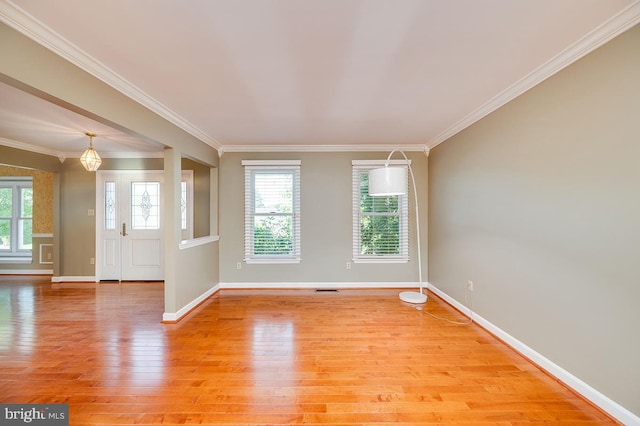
x=380, y=260
x=198, y=242
x=271, y=260
x=15, y=259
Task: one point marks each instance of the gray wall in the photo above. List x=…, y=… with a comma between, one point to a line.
x=30, y=160
x=77, y=229
x=326, y=222
x=538, y=205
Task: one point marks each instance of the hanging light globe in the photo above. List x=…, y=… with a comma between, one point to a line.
x=90, y=159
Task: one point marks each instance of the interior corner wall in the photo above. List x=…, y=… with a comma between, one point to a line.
x=538, y=204
x=201, y=197
x=326, y=222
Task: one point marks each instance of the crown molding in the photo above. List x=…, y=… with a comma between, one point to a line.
x=32, y=148
x=64, y=155
x=23, y=22
x=615, y=26
x=227, y=148
x=322, y=148
x=157, y=154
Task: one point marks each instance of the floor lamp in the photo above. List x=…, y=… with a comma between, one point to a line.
x=386, y=181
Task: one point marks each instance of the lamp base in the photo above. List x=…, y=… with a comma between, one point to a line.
x=413, y=297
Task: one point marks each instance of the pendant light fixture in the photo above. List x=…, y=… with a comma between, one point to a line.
x=90, y=159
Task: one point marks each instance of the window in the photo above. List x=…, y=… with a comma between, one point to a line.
x=110, y=205
x=380, y=224
x=145, y=205
x=142, y=197
x=16, y=216
x=272, y=211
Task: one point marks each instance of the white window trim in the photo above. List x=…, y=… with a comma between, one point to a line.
x=263, y=165
x=403, y=203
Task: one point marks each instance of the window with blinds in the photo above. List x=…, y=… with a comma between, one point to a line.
x=380, y=224
x=16, y=216
x=272, y=211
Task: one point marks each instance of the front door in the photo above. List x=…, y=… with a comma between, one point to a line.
x=129, y=226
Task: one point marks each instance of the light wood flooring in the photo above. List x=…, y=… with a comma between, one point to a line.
x=264, y=357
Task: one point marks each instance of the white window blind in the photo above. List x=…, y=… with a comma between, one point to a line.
x=380, y=224
x=272, y=211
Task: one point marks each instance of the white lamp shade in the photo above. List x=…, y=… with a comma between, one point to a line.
x=387, y=181
x=90, y=160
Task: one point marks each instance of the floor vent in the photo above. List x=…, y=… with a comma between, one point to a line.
x=326, y=290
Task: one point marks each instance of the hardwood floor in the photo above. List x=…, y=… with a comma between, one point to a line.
x=264, y=357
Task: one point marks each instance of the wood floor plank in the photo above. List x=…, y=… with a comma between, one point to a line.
x=264, y=357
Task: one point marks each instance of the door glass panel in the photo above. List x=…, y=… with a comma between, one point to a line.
x=145, y=205
x=110, y=206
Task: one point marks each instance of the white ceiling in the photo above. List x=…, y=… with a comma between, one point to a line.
x=280, y=74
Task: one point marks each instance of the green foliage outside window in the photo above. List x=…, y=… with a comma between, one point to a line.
x=273, y=221
x=26, y=212
x=6, y=202
x=273, y=235
x=26, y=231
x=21, y=218
x=27, y=202
x=379, y=222
x=5, y=234
x=6, y=211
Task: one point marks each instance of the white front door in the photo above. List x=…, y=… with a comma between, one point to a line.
x=141, y=242
x=129, y=226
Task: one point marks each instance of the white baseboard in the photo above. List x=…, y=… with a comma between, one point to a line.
x=318, y=285
x=74, y=279
x=614, y=409
x=176, y=316
x=26, y=271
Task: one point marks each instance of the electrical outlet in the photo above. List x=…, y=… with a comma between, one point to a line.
x=348, y=265
x=239, y=265
x=470, y=285
x=92, y=261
